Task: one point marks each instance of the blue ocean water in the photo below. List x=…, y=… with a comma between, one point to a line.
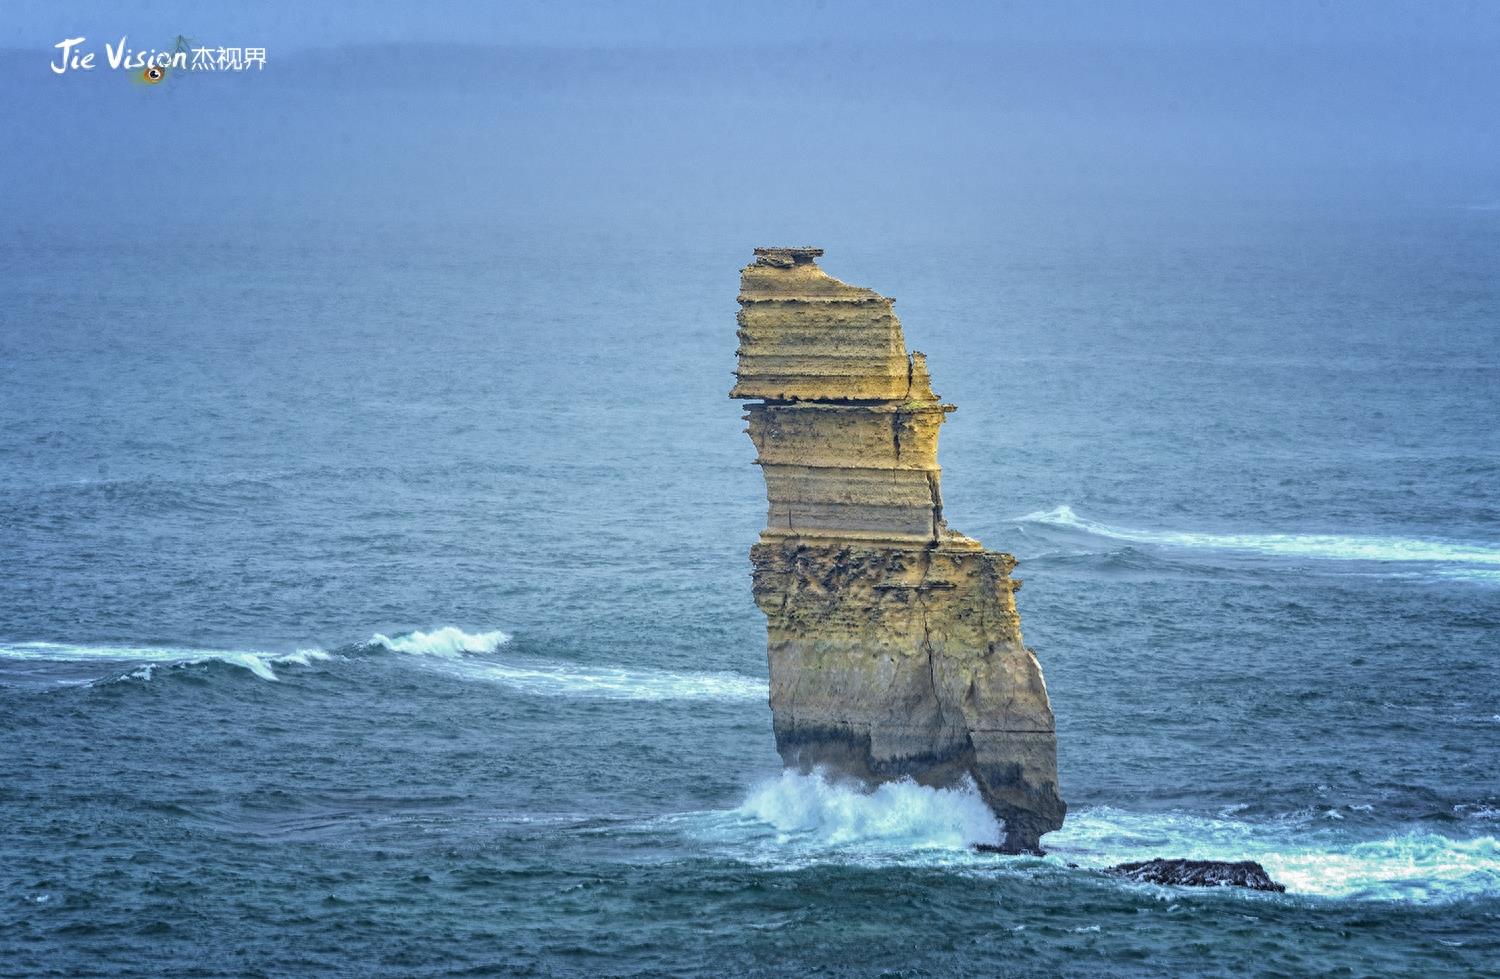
x=376, y=601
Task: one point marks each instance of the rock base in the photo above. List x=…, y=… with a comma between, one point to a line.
x=890, y=663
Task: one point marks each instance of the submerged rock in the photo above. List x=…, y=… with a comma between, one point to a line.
x=1199, y=873
x=894, y=642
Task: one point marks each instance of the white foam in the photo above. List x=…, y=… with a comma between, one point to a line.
x=550, y=678
x=810, y=809
x=304, y=657
x=796, y=820
x=259, y=663
x=1487, y=575
x=447, y=650
x=465, y=656
x=1326, y=862
x=1312, y=546
x=448, y=642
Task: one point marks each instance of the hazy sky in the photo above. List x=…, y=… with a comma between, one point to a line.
x=771, y=121
x=297, y=23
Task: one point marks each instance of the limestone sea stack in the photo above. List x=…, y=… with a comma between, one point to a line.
x=894, y=642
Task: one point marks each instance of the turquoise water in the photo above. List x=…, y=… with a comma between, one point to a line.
x=376, y=600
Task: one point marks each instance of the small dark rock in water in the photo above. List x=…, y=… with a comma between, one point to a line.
x=1199, y=873
x=1010, y=851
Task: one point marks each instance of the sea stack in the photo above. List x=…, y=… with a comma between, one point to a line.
x=894, y=642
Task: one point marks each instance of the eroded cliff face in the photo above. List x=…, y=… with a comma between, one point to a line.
x=894, y=642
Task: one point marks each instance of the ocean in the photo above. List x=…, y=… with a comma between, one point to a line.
x=374, y=522
x=378, y=604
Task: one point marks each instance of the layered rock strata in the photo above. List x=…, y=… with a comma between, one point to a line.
x=894, y=642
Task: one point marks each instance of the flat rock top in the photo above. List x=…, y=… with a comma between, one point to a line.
x=786, y=256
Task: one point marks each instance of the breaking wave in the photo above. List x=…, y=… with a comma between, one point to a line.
x=797, y=820
x=1312, y=546
x=448, y=642
x=447, y=651
x=149, y=658
x=811, y=809
x=464, y=656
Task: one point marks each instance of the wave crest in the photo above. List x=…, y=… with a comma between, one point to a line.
x=1313, y=546
x=447, y=651
x=448, y=642
x=812, y=810
x=794, y=820
x=150, y=658
x=551, y=678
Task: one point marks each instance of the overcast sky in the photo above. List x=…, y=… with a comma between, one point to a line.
x=763, y=121
x=290, y=24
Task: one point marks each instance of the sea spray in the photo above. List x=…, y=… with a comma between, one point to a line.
x=812, y=810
